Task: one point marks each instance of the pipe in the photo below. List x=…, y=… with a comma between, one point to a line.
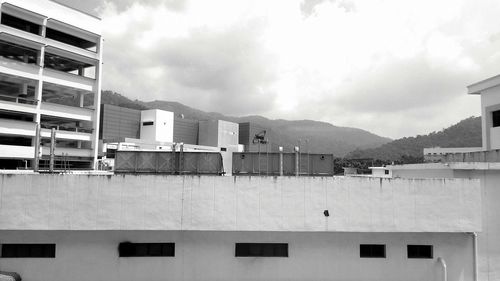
x=445, y=271
x=474, y=249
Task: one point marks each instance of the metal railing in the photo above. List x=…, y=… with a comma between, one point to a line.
x=18, y=99
x=489, y=156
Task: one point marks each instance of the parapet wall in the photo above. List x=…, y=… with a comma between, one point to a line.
x=153, y=202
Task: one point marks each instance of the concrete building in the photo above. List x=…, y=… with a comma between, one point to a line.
x=149, y=227
x=50, y=76
x=489, y=90
x=438, y=154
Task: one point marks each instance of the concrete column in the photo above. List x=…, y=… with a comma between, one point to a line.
x=97, y=103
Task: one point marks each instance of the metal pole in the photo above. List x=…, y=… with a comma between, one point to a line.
x=281, y=160
x=52, y=149
x=297, y=155
x=259, y=158
x=37, y=149
x=308, y=157
x=181, y=158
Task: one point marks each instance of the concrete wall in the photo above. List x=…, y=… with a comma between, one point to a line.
x=185, y=130
x=149, y=202
x=162, y=129
x=208, y=132
x=488, y=242
x=206, y=255
x=218, y=133
x=228, y=133
x=119, y=122
x=423, y=174
x=490, y=101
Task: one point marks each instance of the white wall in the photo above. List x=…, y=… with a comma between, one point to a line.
x=206, y=255
x=489, y=98
x=228, y=133
x=162, y=129
x=157, y=202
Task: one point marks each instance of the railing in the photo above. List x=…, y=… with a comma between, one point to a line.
x=167, y=162
x=67, y=128
x=18, y=99
x=489, y=156
x=288, y=164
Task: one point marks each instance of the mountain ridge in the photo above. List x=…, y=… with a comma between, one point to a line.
x=319, y=136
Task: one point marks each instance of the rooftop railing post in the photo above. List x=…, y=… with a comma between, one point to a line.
x=52, y=149
x=297, y=155
x=281, y=160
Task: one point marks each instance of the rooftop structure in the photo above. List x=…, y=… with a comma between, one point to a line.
x=50, y=78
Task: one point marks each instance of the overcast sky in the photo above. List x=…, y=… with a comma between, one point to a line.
x=393, y=67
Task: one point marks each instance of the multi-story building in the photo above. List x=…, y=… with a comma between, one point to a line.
x=50, y=77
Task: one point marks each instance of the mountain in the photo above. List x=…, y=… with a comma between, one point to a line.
x=315, y=136
x=466, y=133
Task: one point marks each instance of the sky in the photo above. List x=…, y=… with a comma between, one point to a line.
x=393, y=67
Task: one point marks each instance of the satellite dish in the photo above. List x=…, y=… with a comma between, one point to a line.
x=260, y=137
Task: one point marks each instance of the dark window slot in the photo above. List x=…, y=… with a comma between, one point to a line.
x=372, y=251
x=496, y=118
x=147, y=123
x=127, y=249
x=261, y=250
x=28, y=250
x=420, y=251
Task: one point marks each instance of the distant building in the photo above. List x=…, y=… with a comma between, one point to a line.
x=438, y=154
x=50, y=76
x=247, y=137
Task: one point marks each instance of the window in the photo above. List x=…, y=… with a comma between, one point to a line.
x=261, y=250
x=420, y=251
x=372, y=251
x=21, y=24
x=496, y=118
x=386, y=172
x=28, y=250
x=128, y=249
x=148, y=123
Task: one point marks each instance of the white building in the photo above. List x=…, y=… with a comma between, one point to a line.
x=50, y=70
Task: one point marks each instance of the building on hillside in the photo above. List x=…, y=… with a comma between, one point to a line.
x=50, y=77
x=438, y=154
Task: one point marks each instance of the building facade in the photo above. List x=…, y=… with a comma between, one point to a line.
x=50, y=77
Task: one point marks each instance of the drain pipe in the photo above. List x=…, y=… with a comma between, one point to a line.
x=445, y=271
x=474, y=261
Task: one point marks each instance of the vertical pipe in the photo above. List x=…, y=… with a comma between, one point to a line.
x=474, y=248
x=281, y=160
x=36, y=159
x=52, y=149
x=445, y=271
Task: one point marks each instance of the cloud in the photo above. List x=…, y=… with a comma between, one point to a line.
x=393, y=67
x=123, y=5
x=218, y=70
x=308, y=7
